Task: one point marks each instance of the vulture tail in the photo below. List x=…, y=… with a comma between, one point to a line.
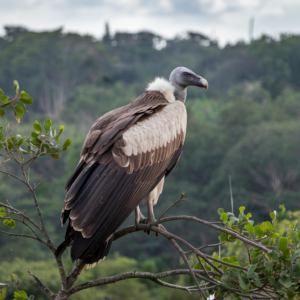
x=70, y=234
x=96, y=256
x=100, y=253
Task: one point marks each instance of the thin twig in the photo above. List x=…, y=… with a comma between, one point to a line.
x=39, y=184
x=16, y=177
x=22, y=235
x=181, y=252
x=17, y=212
x=249, y=256
x=178, y=201
x=43, y=286
x=206, y=246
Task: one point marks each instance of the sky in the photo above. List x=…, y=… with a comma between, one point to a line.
x=224, y=20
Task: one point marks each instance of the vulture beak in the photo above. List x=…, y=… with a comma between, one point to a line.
x=203, y=82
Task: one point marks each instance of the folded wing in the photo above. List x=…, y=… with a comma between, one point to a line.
x=123, y=159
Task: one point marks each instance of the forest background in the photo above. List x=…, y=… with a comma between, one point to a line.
x=246, y=125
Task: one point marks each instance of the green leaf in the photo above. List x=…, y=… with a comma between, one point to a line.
x=21, y=141
x=20, y=295
x=258, y=231
x=16, y=87
x=256, y=278
x=53, y=132
x=285, y=281
x=242, y=208
x=223, y=237
x=282, y=245
x=295, y=271
x=273, y=255
x=55, y=155
x=264, y=227
x=268, y=268
x=4, y=99
x=61, y=130
x=68, y=142
x=220, y=211
x=269, y=225
x=296, y=237
x=1, y=93
x=37, y=127
x=2, y=212
x=2, y=293
x=19, y=110
x=249, y=228
x=36, y=142
x=275, y=235
x=244, y=283
x=272, y=215
x=25, y=98
x=47, y=125
x=224, y=218
x=57, y=139
x=271, y=279
x=290, y=295
x=2, y=112
x=251, y=270
x=296, y=255
x=10, y=223
x=34, y=134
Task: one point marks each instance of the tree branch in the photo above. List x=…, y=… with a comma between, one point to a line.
x=144, y=275
x=43, y=286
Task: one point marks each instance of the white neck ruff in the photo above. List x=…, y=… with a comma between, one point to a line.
x=163, y=86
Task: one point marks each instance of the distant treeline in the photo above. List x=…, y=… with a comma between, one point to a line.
x=246, y=125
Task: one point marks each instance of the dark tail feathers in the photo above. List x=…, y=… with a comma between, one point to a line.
x=96, y=256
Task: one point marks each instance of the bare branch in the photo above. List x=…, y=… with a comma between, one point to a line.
x=129, y=275
x=17, y=212
x=43, y=286
x=178, y=201
x=206, y=246
x=22, y=235
x=24, y=223
x=77, y=269
x=209, y=224
x=249, y=256
x=39, y=184
x=16, y=177
x=181, y=252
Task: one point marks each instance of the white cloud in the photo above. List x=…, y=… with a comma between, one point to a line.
x=227, y=19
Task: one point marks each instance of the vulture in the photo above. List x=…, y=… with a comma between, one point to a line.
x=125, y=158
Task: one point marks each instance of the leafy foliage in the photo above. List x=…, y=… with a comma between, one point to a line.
x=279, y=269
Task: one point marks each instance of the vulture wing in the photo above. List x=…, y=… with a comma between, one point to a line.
x=125, y=155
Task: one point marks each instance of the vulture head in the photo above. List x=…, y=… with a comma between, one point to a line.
x=183, y=77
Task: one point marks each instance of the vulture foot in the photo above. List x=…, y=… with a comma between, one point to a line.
x=152, y=220
x=139, y=218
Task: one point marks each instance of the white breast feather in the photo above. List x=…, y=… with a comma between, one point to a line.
x=165, y=87
x=158, y=130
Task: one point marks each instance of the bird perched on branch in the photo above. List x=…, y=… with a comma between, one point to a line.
x=125, y=158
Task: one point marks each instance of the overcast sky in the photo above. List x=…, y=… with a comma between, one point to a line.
x=225, y=20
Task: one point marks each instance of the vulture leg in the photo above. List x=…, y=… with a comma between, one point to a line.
x=139, y=217
x=151, y=200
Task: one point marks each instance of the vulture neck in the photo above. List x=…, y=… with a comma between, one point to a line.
x=180, y=91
